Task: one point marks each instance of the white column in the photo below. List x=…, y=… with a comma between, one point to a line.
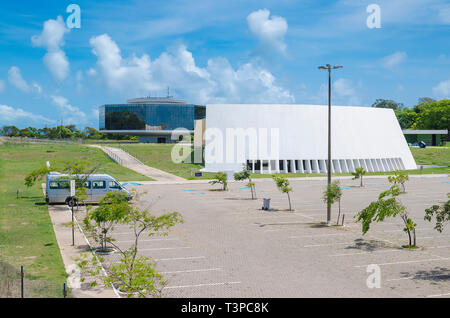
x=253, y=166
x=369, y=165
x=344, y=164
x=374, y=165
x=338, y=166
x=292, y=162
x=300, y=166
x=395, y=163
x=308, y=166
x=350, y=165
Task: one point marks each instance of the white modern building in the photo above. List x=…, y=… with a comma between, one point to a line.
x=293, y=138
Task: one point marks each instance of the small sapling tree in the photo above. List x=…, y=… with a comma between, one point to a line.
x=134, y=275
x=220, y=178
x=440, y=212
x=358, y=174
x=386, y=206
x=332, y=194
x=99, y=222
x=399, y=178
x=283, y=185
x=245, y=175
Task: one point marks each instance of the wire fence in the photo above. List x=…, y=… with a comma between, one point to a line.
x=15, y=283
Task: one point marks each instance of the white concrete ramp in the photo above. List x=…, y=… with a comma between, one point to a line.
x=125, y=159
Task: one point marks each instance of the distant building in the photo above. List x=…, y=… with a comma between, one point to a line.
x=152, y=119
x=430, y=137
x=271, y=138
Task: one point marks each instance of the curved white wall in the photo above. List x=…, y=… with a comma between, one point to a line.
x=358, y=133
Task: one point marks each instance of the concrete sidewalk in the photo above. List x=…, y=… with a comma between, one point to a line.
x=125, y=159
x=299, y=179
x=61, y=218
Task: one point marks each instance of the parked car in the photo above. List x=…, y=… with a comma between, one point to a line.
x=97, y=186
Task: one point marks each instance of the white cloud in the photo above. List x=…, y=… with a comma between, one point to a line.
x=121, y=74
x=444, y=15
x=218, y=82
x=346, y=92
x=71, y=114
x=270, y=31
x=442, y=90
x=10, y=116
x=393, y=60
x=52, y=38
x=16, y=79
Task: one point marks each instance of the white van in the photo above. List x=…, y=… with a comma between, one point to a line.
x=97, y=186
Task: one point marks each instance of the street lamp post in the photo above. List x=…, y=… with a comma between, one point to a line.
x=329, y=68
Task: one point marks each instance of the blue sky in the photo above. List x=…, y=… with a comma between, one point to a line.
x=216, y=52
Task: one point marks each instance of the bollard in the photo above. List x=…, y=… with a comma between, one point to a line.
x=64, y=291
x=21, y=281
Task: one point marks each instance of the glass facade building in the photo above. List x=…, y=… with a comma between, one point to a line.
x=149, y=116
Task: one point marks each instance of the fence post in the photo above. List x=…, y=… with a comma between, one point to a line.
x=21, y=281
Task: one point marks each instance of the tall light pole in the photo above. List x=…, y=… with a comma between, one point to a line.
x=329, y=68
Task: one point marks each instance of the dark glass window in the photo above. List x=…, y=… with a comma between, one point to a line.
x=98, y=185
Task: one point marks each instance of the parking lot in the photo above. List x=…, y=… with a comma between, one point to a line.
x=229, y=247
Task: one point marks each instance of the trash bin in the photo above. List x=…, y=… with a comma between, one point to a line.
x=266, y=204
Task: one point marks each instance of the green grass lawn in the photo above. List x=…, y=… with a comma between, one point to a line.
x=159, y=156
x=26, y=232
x=431, y=156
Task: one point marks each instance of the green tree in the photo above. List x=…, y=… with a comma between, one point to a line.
x=359, y=173
x=386, y=206
x=99, y=222
x=406, y=117
x=245, y=175
x=434, y=115
x=283, y=185
x=10, y=131
x=387, y=103
x=332, y=194
x=220, y=178
x=399, y=178
x=76, y=169
x=133, y=274
x=440, y=212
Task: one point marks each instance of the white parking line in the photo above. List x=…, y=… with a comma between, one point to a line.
x=127, y=241
x=201, y=285
x=193, y=271
x=162, y=248
x=361, y=253
x=320, y=245
x=319, y=235
x=407, y=262
x=179, y=258
x=439, y=295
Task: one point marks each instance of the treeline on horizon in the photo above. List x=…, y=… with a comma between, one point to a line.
x=427, y=114
x=61, y=132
